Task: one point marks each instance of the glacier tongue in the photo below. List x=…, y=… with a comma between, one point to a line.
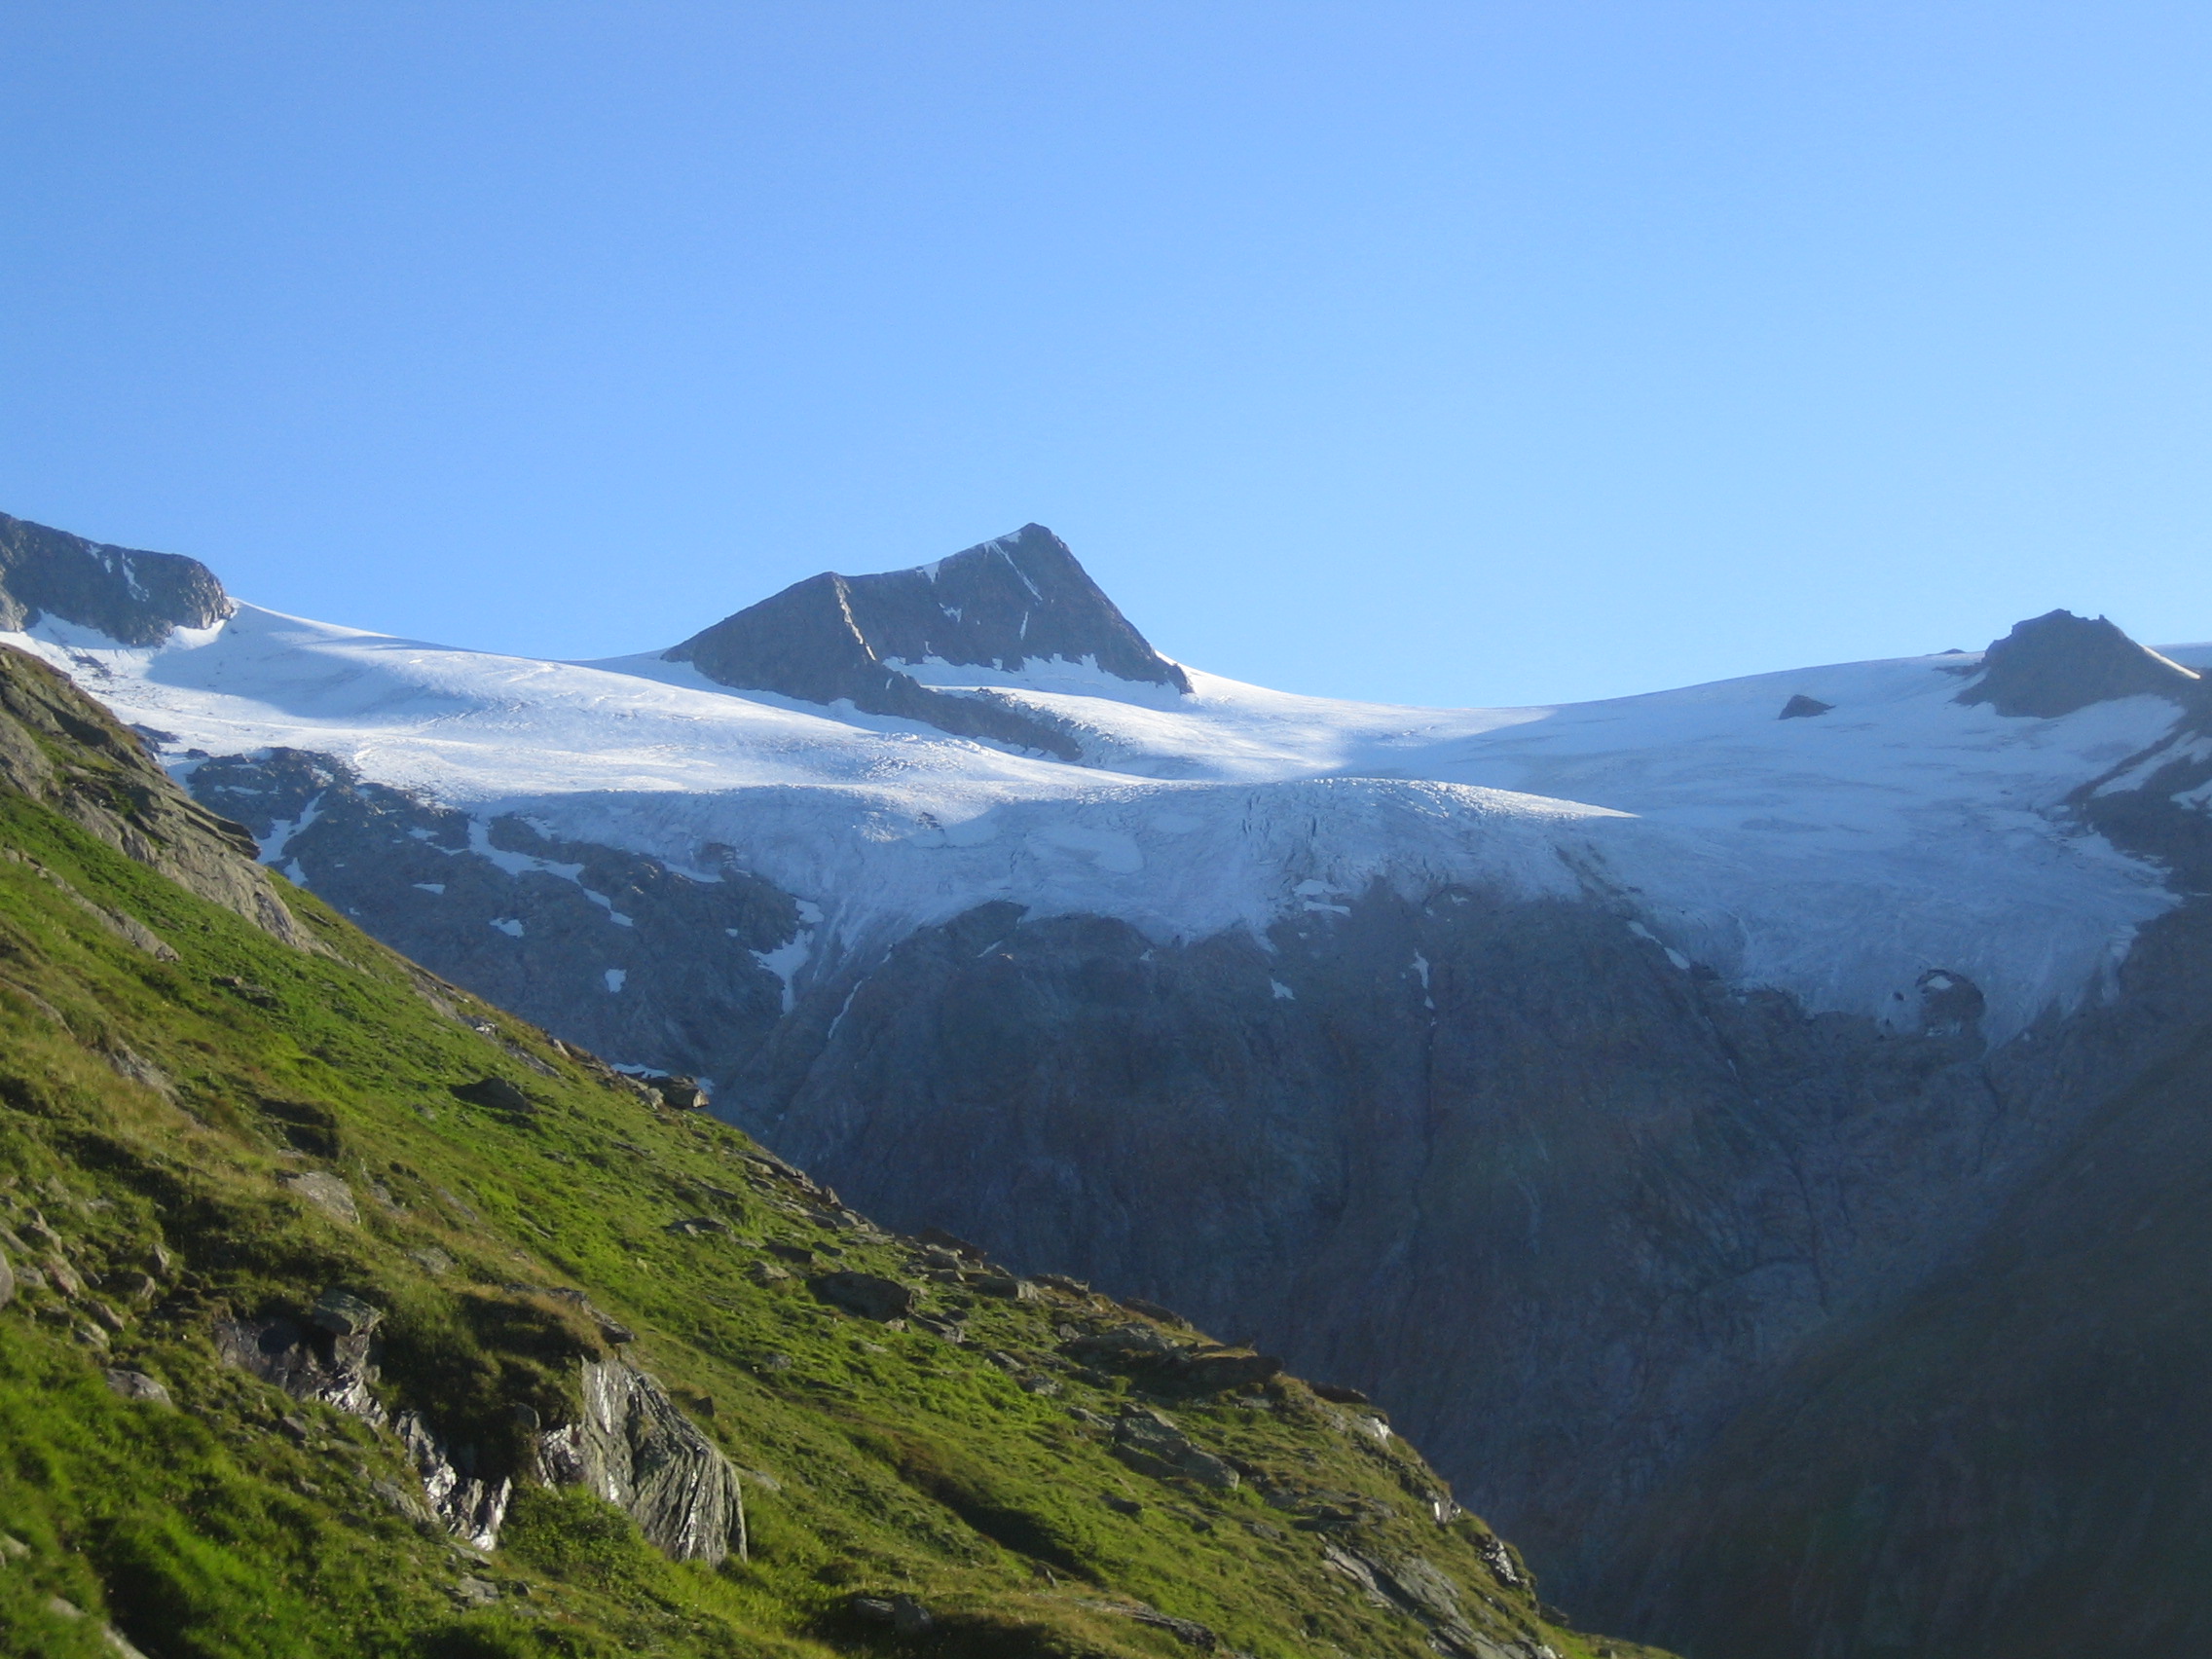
x=1839, y=858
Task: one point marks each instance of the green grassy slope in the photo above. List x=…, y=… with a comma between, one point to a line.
x=166, y=1065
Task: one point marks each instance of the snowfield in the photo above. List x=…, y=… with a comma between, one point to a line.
x=1838, y=856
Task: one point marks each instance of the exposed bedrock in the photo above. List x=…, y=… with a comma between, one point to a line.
x=134, y=597
x=2010, y=1460
x=2056, y=663
x=1018, y=599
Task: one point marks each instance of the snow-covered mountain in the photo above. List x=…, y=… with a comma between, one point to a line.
x=1565, y=1075
x=1839, y=857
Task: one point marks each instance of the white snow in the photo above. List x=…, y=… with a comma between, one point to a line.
x=1838, y=856
x=508, y=925
x=615, y=976
x=785, y=962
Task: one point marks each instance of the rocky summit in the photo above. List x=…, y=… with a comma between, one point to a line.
x=118, y=594
x=1001, y=604
x=1743, y=1133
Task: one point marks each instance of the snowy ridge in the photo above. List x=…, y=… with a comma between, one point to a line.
x=1838, y=856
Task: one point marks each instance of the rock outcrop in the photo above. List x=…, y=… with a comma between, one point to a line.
x=132, y=597
x=634, y=1448
x=1019, y=598
x=630, y=1444
x=64, y=751
x=2058, y=662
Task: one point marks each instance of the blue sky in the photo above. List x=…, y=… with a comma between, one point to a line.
x=1449, y=354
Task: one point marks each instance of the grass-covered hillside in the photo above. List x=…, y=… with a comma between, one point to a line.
x=289, y=1224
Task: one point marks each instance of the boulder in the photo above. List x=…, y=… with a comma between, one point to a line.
x=1152, y=1443
x=636, y=1449
x=1802, y=707
x=958, y=1246
x=902, y=1613
x=870, y=1296
x=684, y=1094
x=692, y=1226
x=261, y=996
x=1211, y=1372
x=1125, y=1342
x=345, y=1315
x=473, y=1592
x=326, y=1192
x=1189, y=1632
x=6, y=1282
x=307, y=1363
x=137, y=1385
x=496, y=1094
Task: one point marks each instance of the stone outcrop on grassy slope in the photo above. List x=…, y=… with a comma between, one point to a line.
x=59, y=747
x=632, y=1447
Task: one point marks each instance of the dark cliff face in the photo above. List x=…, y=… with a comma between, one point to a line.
x=2010, y=1461
x=999, y=605
x=132, y=597
x=1561, y=1204
x=2009, y=1457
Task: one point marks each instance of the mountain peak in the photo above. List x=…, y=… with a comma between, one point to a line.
x=134, y=597
x=1000, y=605
x=2058, y=662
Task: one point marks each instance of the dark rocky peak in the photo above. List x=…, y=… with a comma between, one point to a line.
x=132, y=597
x=1019, y=598
x=1022, y=597
x=2054, y=664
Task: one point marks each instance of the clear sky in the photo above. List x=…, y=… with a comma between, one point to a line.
x=1456, y=353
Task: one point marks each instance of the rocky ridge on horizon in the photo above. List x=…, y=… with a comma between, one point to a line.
x=129, y=594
